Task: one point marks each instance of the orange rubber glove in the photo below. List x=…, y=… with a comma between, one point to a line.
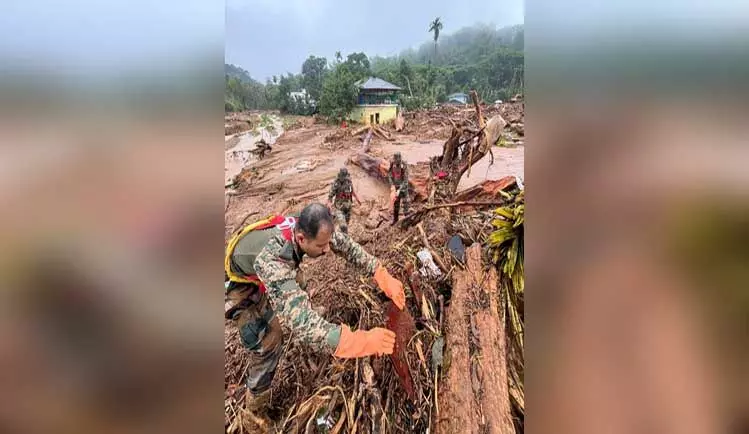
x=362, y=343
x=391, y=286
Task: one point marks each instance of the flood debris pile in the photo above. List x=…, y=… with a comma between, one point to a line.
x=458, y=361
x=235, y=123
x=236, y=127
x=439, y=122
x=514, y=113
x=495, y=291
x=458, y=355
x=350, y=137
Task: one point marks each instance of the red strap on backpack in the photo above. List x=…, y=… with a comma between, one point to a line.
x=286, y=225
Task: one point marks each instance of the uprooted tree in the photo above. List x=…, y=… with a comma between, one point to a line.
x=467, y=145
x=469, y=142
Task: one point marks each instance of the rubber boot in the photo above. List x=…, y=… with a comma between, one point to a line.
x=396, y=209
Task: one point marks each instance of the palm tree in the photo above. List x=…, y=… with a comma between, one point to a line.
x=435, y=27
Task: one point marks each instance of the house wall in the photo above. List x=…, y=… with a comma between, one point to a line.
x=362, y=113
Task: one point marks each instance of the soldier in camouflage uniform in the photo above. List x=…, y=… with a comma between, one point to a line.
x=340, y=197
x=266, y=289
x=441, y=186
x=398, y=178
x=261, y=148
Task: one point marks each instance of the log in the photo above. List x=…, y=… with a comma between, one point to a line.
x=488, y=189
x=450, y=149
x=480, y=117
x=359, y=130
x=367, y=141
x=474, y=316
x=383, y=134
x=418, y=215
x=374, y=166
x=378, y=168
x=400, y=123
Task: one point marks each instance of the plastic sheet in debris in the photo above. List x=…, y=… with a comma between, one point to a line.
x=428, y=269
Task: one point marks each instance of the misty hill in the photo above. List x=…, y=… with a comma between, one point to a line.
x=237, y=72
x=481, y=57
x=467, y=45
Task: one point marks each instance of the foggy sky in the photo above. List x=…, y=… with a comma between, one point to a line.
x=107, y=37
x=271, y=37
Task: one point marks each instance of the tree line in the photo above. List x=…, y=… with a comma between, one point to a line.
x=483, y=58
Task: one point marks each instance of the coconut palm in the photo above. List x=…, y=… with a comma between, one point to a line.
x=435, y=27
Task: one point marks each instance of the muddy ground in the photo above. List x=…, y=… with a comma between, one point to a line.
x=302, y=166
x=300, y=169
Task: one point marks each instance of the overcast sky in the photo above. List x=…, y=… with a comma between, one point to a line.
x=272, y=37
x=108, y=36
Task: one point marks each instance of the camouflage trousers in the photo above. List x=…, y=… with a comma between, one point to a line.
x=441, y=191
x=343, y=216
x=261, y=334
x=401, y=200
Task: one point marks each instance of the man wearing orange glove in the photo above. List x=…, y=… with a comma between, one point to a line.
x=265, y=287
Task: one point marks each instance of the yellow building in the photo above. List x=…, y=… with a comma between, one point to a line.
x=377, y=102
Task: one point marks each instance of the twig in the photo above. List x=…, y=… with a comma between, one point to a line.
x=475, y=98
x=442, y=311
x=436, y=393
x=364, y=294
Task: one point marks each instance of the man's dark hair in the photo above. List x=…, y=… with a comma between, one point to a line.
x=312, y=218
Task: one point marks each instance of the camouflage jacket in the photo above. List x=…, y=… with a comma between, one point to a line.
x=276, y=265
x=398, y=174
x=441, y=188
x=342, y=193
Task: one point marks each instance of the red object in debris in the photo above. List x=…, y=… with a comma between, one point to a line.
x=402, y=323
x=441, y=175
x=343, y=124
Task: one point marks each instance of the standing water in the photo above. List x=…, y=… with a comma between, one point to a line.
x=239, y=157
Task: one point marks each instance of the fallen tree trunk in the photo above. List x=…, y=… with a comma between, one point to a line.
x=374, y=166
x=415, y=217
x=475, y=330
x=382, y=134
x=488, y=189
x=467, y=145
x=400, y=122
x=367, y=142
x=378, y=168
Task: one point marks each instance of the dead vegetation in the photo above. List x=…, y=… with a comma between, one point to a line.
x=458, y=364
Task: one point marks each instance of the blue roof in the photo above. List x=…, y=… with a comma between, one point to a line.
x=374, y=83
